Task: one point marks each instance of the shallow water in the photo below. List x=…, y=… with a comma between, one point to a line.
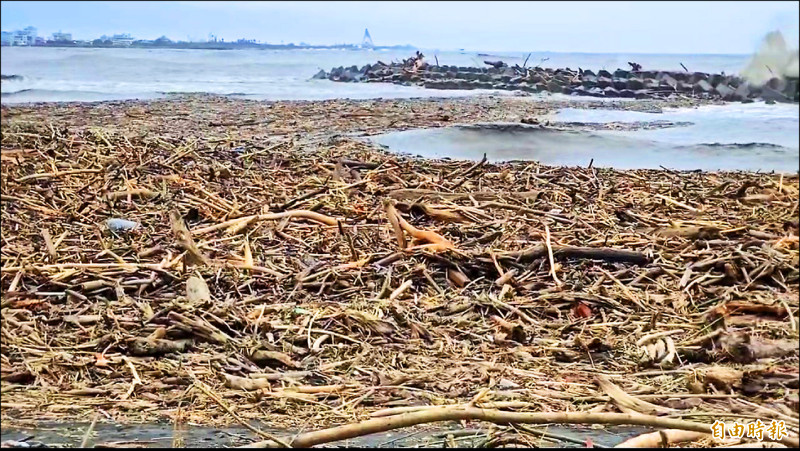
x=752, y=137
x=161, y=435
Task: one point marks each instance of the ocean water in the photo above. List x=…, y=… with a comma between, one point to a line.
x=751, y=137
x=86, y=74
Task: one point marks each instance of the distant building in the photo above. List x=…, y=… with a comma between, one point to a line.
x=121, y=40
x=24, y=37
x=7, y=38
x=38, y=40
x=62, y=37
x=163, y=40
x=19, y=40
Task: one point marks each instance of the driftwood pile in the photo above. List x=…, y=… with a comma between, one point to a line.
x=169, y=267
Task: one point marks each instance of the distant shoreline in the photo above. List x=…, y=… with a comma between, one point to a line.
x=224, y=46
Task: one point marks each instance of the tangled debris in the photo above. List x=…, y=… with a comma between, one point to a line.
x=168, y=267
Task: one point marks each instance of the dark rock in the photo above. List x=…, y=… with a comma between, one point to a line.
x=588, y=73
x=604, y=73
x=539, y=87
x=450, y=74
x=604, y=82
x=627, y=93
x=610, y=92
x=697, y=76
x=681, y=76
x=563, y=78
x=668, y=80
x=566, y=90
x=554, y=86
x=620, y=83
x=792, y=89
x=743, y=91
x=703, y=86
x=345, y=76
x=778, y=84
x=642, y=94
x=515, y=80
x=589, y=83
x=773, y=95
x=485, y=77
x=650, y=83
x=596, y=92
x=619, y=73
x=716, y=79
x=13, y=77
x=725, y=91
x=321, y=75
x=685, y=87
x=635, y=84
x=647, y=74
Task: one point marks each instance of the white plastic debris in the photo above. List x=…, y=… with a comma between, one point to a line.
x=121, y=225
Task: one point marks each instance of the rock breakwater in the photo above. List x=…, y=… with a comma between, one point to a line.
x=640, y=84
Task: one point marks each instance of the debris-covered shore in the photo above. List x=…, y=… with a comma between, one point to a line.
x=211, y=260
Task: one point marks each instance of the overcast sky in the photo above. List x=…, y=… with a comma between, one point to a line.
x=593, y=27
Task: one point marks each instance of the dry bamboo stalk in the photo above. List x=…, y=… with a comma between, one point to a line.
x=392, y=216
x=662, y=438
x=313, y=216
x=48, y=241
x=550, y=256
x=678, y=203
x=437, y=414
x=58, y=174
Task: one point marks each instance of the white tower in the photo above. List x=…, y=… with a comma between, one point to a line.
x=367, y=41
